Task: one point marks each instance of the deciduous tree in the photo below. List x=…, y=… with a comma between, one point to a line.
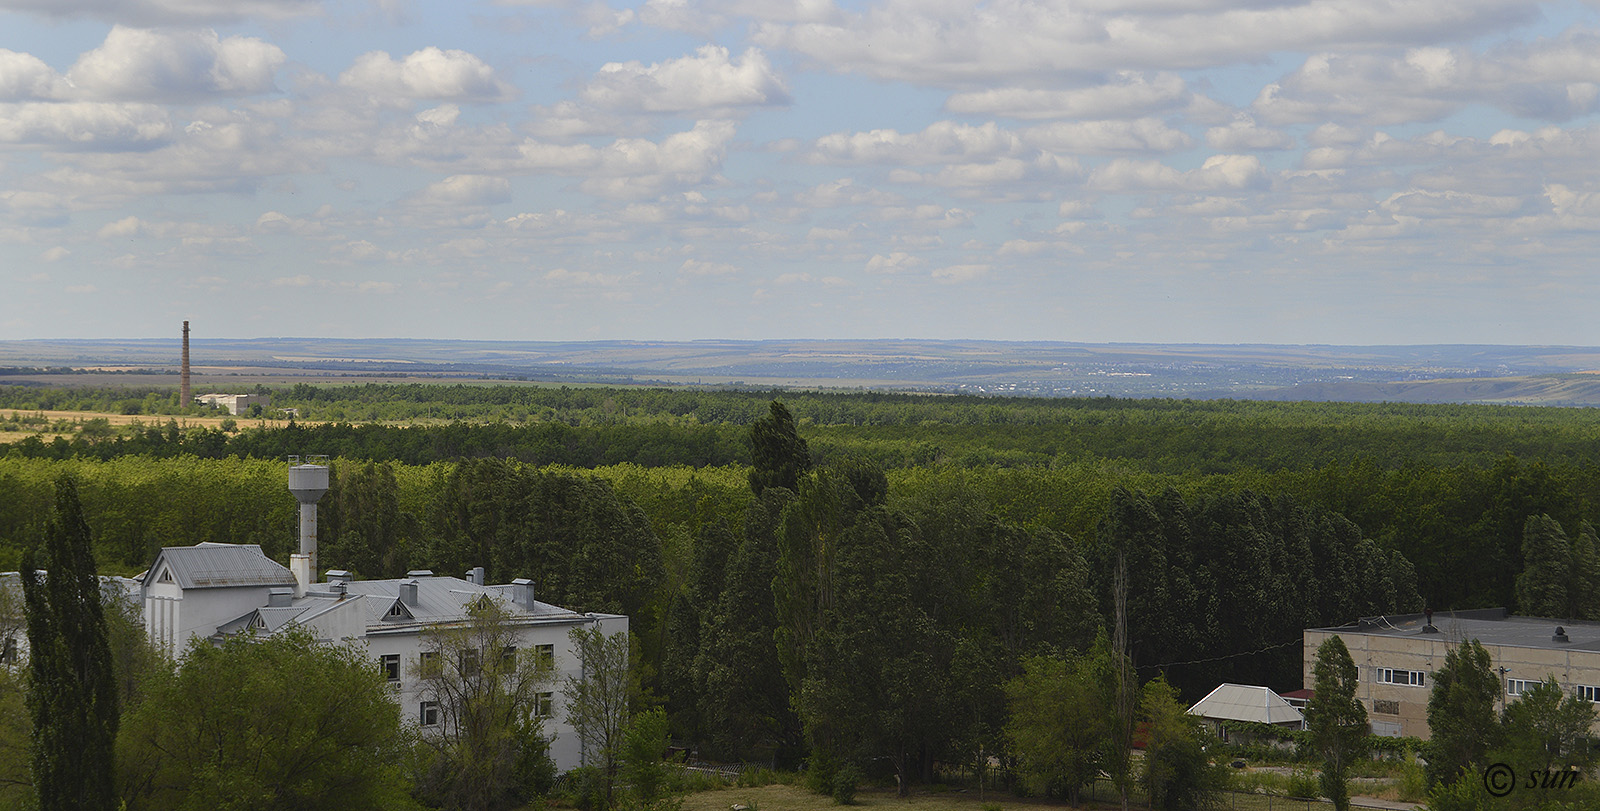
x=261, y=724
x=489, y=748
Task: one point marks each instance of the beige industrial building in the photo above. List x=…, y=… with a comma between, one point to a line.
x=1397, y=656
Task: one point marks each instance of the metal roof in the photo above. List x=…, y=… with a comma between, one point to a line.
x=217, y=565
x=442, y=599
x=1244, y=702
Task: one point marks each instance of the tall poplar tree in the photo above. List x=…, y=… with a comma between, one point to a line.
x=1336, y=718
x=73, y=695
x=780, y=456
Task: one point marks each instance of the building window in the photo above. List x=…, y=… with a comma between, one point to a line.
x=1516, y=687
x=1587, y=692
x=545, y=655
x=397, y=611
x=543, y=704
x=428, y=663
x=391, y=667
x=470, y=662
x=1410, y=678
x=508, y=658
x=429, y=713
x=1384, y=707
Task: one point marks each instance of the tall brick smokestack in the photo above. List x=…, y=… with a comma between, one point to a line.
x=184, y=395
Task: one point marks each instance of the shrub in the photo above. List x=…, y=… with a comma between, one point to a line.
x=844, y=784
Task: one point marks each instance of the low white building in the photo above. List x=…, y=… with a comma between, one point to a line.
x=235, y=404
x=1246, y=702
x=214, y=590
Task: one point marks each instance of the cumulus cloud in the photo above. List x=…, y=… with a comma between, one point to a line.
x=1218, y=173
x=1107, y=137
x=84, y=124
x=429, y=74
x=1245, y=135
x=949, y=44
x=632, y=167
x=1128, y=94
x=696, y=267
x=467, y=190
x=135, y=64
x=894, y=262
x=705, y=81
x=25, y=77
x=1556, y=79
x=952, y=274
x=940, y=142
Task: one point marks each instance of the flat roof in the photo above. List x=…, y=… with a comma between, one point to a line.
x=1490, y=626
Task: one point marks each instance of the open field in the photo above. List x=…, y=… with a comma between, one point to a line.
x=76, y=418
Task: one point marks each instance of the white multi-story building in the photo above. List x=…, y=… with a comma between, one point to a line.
x=215, y=590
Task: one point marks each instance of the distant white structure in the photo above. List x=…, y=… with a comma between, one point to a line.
x=235, y=404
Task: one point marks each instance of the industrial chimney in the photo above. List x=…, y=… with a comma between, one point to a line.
x=307, y=482
x=185, y=394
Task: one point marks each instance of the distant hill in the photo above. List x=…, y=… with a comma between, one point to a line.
x=1542, y=375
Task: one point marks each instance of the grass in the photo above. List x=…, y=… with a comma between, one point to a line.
x=795, y=798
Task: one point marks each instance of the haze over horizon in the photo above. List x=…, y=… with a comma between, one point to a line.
x=1291, y=172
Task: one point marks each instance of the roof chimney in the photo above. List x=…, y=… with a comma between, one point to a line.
x=408, y=592
x=522, y=593
x=279, y=597
x=1560, y=635
x=475, y=575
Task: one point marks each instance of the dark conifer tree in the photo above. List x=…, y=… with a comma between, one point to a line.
x=73, y=694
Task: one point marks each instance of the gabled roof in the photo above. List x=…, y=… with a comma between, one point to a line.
x=1243, y=702
x=217, y=565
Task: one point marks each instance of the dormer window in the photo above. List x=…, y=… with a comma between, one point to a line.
x=166, y=575
x=398, y=611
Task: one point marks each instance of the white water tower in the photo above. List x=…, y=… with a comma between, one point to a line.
x=308, y=480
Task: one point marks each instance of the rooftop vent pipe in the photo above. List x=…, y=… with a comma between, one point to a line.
x=1560, y=635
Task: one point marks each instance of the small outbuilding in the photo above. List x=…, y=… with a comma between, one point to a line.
x=1246, y=702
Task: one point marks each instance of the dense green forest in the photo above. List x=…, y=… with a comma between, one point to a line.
x=919, y=548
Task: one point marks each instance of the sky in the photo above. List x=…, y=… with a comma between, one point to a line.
x=1176, y=171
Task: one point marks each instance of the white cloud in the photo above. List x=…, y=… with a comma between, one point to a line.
x=1128, y=94
x=84, y=124
x=55, y=254
x=1218, y=173
x=25, y=77
x=953, y=274
x=948, y=44
x=1556, y=79
x=1107, y=137
x=1244, y=135
x=940, y=142
x=125, y=227
x=178, y=12
x=895, y=262
x=431, y=73
x=696, y=267
x=467, y=190
x=705, y=81
x=135, y=64
x=632, y=167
